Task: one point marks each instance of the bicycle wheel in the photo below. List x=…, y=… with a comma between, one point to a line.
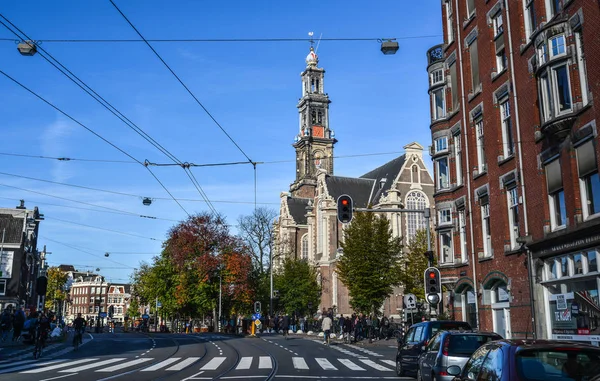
x=37, y=351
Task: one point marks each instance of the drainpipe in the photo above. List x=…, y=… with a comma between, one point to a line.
x=520, y=161
x=468, y=176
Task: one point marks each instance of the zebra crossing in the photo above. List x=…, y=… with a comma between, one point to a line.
x=173, y=364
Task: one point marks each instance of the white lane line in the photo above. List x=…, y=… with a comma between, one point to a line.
x=264, y=362
x=57, y=377
x=58, y=366
x=125, y=365
x=17, y=362
x=245, y=363
x=350, y=365
x=214, y=363
x=389, y=362
x=29, y=366
x=325, y=364
x=161, y=364
x=90, y=366
x=299, y=363
x=374, y=365
x=188, y=361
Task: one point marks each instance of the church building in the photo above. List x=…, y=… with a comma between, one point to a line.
x=307, y=227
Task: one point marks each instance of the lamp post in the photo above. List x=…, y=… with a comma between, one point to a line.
x=220, y=295
x=99, y=298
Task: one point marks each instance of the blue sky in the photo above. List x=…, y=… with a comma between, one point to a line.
x=379, y=104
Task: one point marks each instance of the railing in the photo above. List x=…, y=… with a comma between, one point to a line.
x=435, y=54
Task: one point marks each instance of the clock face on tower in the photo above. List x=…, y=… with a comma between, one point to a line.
x=318, y=132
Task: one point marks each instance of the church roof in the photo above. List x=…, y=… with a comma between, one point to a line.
x=357, y=188
x=388, y=171
x=13, y=226
x=297, y=209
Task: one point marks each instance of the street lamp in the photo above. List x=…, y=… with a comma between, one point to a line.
x=389, y=46
x=27, y=48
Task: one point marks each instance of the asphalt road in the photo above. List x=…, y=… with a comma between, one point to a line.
x=136, y=357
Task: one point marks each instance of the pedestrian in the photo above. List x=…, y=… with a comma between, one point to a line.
x=326, y=326
x=18, y=322
x=6, y=323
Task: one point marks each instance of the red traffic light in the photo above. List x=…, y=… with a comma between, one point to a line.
x=431, y=275
x=345, y=202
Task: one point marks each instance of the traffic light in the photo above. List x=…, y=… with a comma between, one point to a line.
x=433, y=284
x=111, y=311
x=344, y=208
x=41, y=285
x=257, y=308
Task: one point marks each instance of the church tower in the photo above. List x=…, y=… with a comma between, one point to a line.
x=314, y=143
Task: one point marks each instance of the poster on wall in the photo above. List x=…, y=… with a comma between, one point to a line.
x=6, y=264
x=566, y=317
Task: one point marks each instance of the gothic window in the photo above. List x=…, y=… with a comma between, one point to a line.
x=313, y=117
x=415, y=221
x=415, y=176
x=320, y=118
x=304, y=246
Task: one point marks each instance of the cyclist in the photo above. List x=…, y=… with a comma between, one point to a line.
x=79, y=325
x=42, y=327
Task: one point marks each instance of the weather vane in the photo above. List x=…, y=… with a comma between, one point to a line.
x=312, y=42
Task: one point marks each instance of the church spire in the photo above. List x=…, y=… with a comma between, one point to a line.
x=315, y=140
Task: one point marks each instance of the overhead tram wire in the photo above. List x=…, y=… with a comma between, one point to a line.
x=81, y=84
x=181, y=82
x=67, y=158
x=84, y=251
x=100, y=228
x=171, y=40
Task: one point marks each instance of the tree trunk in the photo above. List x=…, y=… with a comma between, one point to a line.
x=215, y=320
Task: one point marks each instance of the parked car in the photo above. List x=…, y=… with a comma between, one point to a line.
x=416, y=339
x=449, y=348
x=528, y=360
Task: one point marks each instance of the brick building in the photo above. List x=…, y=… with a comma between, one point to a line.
x=308, y=228
x=515, y=160
x=88, y=296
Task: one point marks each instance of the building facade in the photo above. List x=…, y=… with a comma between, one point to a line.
x=88, y=296
x=308, y=228
x=21, y=264
x=118, y=298
x=515, y=148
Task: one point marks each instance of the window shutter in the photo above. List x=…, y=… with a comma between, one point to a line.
x=586, y=158
x=553, y=176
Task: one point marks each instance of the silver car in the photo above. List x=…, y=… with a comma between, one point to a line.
x=448, y=348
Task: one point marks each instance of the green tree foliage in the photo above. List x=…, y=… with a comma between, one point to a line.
x=298, y=286
x=134, y=308
x=56, y=290
x=415, y=264
x=372, y=261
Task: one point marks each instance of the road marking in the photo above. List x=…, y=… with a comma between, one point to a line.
x=29, y=366
x=90, y=366
x=325, y=364
x=264, y=362
x=350, y=365
x=188, y=361
x=245, y=363
x=161, y=364
x=299, y=363
x=374, y=365
x=58, y=366
x=17, y=363
x=57, y=377
x=125, y=365
x=214, y=363
x=389, y=362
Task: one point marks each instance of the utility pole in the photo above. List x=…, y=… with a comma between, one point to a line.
x=271, y=276
x=220, y=294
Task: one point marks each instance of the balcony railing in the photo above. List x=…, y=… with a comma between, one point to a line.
x=435, y=54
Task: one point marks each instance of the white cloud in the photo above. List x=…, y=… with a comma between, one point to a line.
x=54, y=140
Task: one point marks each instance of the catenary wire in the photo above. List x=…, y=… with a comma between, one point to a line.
x=117, y=40
x=180, y=81
x=100, y=228
x=84, y=251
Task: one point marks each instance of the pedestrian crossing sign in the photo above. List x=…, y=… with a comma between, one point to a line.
x=257, y=322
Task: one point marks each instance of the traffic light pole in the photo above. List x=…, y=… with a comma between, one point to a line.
x=426, y=214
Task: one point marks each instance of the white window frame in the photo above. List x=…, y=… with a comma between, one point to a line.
x=498, y=24
x=471, y=10
x=480, y=142
x=508, y=142
x=458, y=159
x=550, y=45
x=474, y=58
x=512, y=199
x=554, y=69
x=437, y=77
x=528, y=12
x=439, y=110
x=549, y=91
x=581, y=64
x=304, y=248
x=485, y=233
x=462, y=227
x=441, y=144
x=446, y=257
x=415, y=221
x=553, y=199
x=550, y=10
x=449, y=26
x=583, y=187
x=445, y=216
x=501, y=60
x=439, y=182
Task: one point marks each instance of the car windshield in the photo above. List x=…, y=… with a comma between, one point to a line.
x=465, y=345
x=558, y=364
x=435, y=327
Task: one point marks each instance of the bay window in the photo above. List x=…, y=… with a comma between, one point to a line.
x=445, y=216
x=441, y=144
x=446, y=249
x=554, y=82
x=443, y=173
x=438, y=100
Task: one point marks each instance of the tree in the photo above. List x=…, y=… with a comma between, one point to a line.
x=256, y=230
x=297, y=285
x=371, y=263
x=134, y=308
x=56, y=291
x=415, y=264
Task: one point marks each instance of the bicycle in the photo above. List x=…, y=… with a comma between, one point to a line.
x=77, y=338
x=40, y=339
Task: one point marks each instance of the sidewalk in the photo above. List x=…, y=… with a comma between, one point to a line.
x=11, y=351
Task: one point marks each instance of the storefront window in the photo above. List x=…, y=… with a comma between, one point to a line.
x=564, y=266
x=553, y=270
x=578, y=264
x=592, y=261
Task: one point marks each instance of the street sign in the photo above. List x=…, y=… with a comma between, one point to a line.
x=256, y=316
x=410, y=300
x=102, y=314
x=257, y=322
x=158, y=304
x=145, y=316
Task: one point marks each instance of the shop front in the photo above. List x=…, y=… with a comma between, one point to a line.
x=568, y=304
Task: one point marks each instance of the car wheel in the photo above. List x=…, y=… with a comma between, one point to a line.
x=419, y=377
x=399, y=369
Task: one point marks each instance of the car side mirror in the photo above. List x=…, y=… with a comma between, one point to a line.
x=453, y=370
